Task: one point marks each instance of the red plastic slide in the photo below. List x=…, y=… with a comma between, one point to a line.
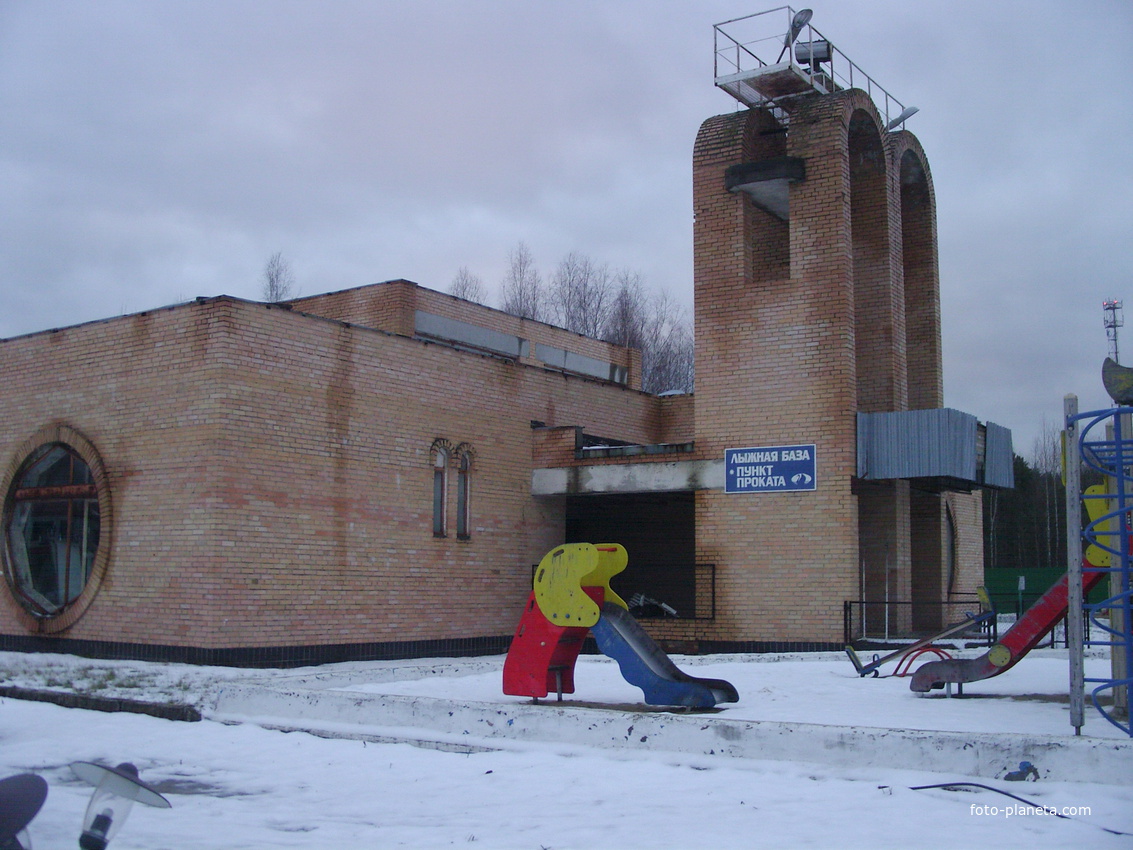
x=1020, y=639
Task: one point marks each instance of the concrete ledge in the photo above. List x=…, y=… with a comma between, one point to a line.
x=67, y=699
x=446, y=724
x=657, y=477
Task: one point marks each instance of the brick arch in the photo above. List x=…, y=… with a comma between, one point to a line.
x=59, y=432
x=441, y=444
x=845, y=132
x=749, y=136
x=877, y=331
x=464, y=450
x=920, y=272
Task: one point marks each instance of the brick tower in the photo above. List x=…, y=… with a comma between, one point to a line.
x=817, y=298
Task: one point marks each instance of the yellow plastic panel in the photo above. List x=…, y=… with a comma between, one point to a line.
x=1095, y=509
x=558, y=585
x=985, y=600
x=612, y=559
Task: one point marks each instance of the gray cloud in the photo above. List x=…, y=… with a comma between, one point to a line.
x=154, y=152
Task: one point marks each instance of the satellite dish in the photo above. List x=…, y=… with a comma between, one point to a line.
x=906, y=113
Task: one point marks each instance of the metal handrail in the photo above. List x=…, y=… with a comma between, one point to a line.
x=854, y=627
x=842, y=70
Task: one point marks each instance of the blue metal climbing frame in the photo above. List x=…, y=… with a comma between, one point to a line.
x=1105, y=444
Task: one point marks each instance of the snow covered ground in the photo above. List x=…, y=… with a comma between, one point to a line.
x=821, y=688
x=244, y=786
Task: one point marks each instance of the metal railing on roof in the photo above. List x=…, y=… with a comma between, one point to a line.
x=743, y=63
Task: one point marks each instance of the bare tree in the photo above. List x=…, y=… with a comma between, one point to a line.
x=522, y=288
x=586, y=298
x=667, y=353
x=1046, y=460
x=278, y=279
x=467, y=286
x=580, y=295
x=628, y=316
x=659, y=328
x=991, y=527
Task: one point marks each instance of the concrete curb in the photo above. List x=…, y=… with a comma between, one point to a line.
x=68, y=699
x=468, y=726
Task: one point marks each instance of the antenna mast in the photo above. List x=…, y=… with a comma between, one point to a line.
x=1114, y=319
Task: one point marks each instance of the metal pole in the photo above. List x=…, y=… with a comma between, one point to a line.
x=1119, y=582
x=1075, y=637
x=887, y=601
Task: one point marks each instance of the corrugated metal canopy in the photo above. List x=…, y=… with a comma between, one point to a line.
x=999, y=465
x=940, y=449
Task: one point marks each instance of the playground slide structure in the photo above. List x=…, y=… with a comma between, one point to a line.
x=1020, y=639
x=1028, y=630
x=646, y=665
x=572, y=597
x=972, y=621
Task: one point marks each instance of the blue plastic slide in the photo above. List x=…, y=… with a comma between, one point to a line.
x=644, y=664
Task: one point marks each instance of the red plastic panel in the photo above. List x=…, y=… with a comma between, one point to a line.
x=539, y=648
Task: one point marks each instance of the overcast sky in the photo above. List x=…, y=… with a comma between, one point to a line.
x=151, y=152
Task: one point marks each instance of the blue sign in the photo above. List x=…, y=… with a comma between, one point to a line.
x=769, y=469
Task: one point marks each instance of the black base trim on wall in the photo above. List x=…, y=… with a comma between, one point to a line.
x=260, y=656
x=705, y=647
x=309, y=656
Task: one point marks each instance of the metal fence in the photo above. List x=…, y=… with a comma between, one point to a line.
x=685, y=592
x=889, y=621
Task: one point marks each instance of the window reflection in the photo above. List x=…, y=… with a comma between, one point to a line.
x=53, y=528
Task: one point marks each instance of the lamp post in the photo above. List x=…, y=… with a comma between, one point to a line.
x=116, y=789
x=800, y=20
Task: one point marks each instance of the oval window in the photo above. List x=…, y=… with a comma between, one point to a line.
x=52, y=529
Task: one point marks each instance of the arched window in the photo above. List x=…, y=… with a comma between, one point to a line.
x=463, y=492
x=51, y=529
x=440, y=490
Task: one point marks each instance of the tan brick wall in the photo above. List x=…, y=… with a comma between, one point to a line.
x=921, y=272
x=270, y=468
x=799, y=326
x=155, y=430
x=677, y=423
x=553, y=446
x=272, y=478
x=775, y=366
x=385, y=306
x=967, y=509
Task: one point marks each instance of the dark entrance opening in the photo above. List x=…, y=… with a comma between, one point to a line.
x=658, y=531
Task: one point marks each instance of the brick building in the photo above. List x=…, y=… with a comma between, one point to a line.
x=372, y=473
